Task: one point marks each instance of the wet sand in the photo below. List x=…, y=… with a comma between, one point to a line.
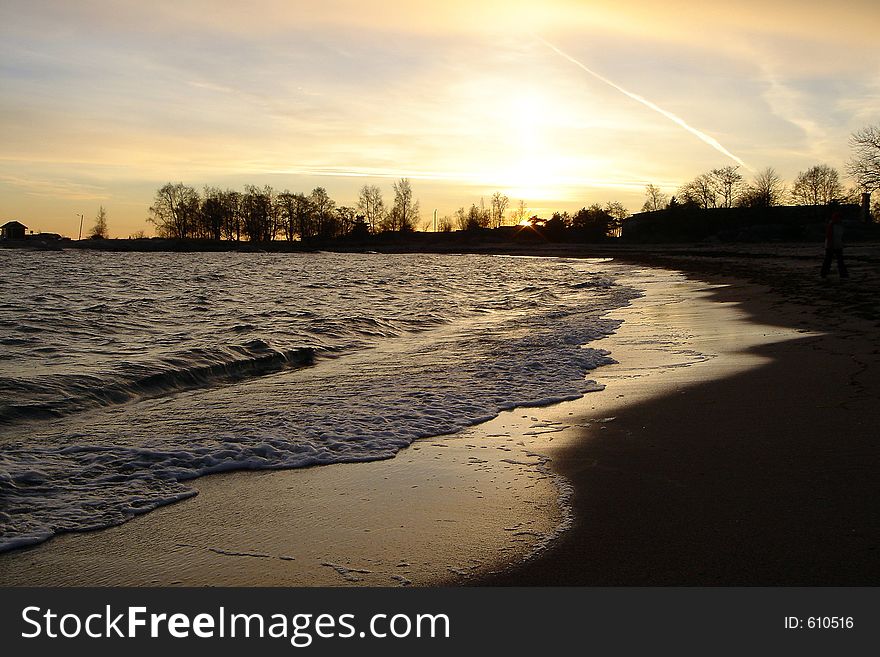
x=766, y=476
x=729, y=447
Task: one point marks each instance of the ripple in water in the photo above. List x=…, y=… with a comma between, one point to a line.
x=146, y=370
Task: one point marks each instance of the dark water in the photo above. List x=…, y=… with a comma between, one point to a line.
x=123, y=375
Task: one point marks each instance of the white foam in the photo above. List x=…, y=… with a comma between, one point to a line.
x=104, y=467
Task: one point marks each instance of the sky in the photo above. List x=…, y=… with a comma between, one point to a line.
x=559, y=103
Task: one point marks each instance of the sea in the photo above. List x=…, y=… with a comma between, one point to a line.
x=123, y=376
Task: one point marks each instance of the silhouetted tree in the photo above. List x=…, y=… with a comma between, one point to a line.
x=321, y=210
x=499, y=206
x=175, y=210
x=288, y=213
x=728, y=184
x=231, y=228
x=371, y=205
x=864, y=165
x=520, y=213
x=593, y=223
x=99, y=230
x=766, y=191
x=405, y=212
x=818, y=185
x=345, y=220
x=700, y=191
x=476, y=218
x=444, y=225
x=617, y=210
x=655, y=199
x=212, y=216
x=259, y=213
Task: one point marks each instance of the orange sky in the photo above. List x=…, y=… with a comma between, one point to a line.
x=102, y=102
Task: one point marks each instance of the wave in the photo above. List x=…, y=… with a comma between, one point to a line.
x=75, y=393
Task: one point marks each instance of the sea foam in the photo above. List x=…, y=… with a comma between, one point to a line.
x=365, y=354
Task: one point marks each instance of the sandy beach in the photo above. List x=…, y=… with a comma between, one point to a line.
x=733, y=444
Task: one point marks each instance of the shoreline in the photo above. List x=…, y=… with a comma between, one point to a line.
x=447, y=510
x=765, y=477
x=487, y=533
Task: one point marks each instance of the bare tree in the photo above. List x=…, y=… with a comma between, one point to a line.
x=345, y=217
x=700, y=191
x=727, y=183
x=520, y=213
x=655, y=199
x=175, y=210
x=99, y=230
x=213, y=212
x=322, y=212
x=231, y=228
x=287, y=214
x=301, y=209
x=864, y=165
x=259, y=213
x=818, y=185
x=499, y=206
x=766, y=191
x=371, y=205
x=617, y=212
x=405, y=212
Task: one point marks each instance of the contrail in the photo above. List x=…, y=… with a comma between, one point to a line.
x=714, y=143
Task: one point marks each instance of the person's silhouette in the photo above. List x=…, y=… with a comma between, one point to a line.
x=834, y=241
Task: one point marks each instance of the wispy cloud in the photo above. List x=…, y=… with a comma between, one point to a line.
x=56, y=188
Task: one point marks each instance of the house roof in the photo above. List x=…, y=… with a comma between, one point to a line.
x=10, y=224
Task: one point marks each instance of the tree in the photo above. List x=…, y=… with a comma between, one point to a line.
x=864, y=165
x=99, y=230
x=475, y=218
x=231, y=228
x=655, y=199
x=259, y=213
x=617, y=210
x=700, y=191
x=371, y=205
x=289, y=213
x=520, y=213
x=321, y=206
x=175, y=211
x=818, y=185
x=499, y=206
x=301, y=216
x=618, y=213
x=405, y=212
x=766, y=191
x=727, y=183
x=346, y=217
x=213, y=214
x=593, y=223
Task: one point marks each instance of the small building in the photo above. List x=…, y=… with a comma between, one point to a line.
x=13, y=230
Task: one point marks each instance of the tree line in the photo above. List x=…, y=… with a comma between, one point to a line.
x=726, y=187
x=261, y=214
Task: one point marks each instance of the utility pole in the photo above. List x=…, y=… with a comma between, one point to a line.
x=435, y=220
x=81, y=226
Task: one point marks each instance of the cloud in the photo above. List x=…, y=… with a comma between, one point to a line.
x=57, y=188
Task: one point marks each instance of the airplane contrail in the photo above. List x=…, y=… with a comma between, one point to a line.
x=714, y=143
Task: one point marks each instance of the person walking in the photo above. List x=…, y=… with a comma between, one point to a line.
x=834, y=242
